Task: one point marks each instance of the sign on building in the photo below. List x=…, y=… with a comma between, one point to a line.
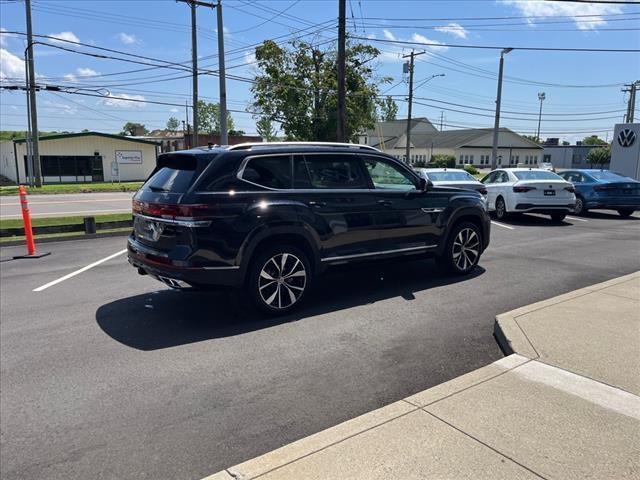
x=129, y=157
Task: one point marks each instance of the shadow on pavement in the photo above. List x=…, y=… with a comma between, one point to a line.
x=609, y=215
x=168, y=318
x=534, y=220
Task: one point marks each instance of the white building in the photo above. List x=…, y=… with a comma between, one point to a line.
x=568, y=156
x=469, y=146
x=82, y=157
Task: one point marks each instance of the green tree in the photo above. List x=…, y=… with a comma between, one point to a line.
x=173, y=124
x=564, y=142
x=599, y=157
x=443, y=161
x=209, y=118
x=593, y=140
x=533, y=138
x=296, y=85
x=388, y=109
x=132, y=128
x=265, y=128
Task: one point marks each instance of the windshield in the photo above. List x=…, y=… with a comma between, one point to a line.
x=450, y=176
x=536, y=175
x=606, y=175
x=174, y=174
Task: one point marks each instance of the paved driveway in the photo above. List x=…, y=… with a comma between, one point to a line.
x=110, y=375
x=67, y=205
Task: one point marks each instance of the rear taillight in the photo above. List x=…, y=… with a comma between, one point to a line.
x=520, y=189
x=570, y=189
x=173, y=211
x=603, y=188
x=483, y=190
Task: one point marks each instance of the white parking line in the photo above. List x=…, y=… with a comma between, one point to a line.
x=502, y=225
x=577, y=219
x=78, y=272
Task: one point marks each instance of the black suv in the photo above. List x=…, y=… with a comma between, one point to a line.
x=270, y=217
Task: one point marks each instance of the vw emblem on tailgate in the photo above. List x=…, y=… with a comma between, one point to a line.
x=156, y=230
x=626, y=137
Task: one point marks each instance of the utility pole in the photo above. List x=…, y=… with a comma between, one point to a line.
x=342, y=34
x=441, y=118
x=33, y=111
x=631, y=105
x=224, y=134
x=412, y=56
x=541, y=97
x=496, y=126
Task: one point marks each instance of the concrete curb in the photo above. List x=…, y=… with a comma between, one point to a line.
x=315, y=443
x=15, y=243
x=512, y=339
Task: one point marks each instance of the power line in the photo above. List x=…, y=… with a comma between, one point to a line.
x=495, y=47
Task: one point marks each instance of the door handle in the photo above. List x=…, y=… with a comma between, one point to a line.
x=316, y=204
x=385, y=203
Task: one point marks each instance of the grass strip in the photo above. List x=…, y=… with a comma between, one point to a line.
x=53, y=221
x=66, y=234
x=53, y=189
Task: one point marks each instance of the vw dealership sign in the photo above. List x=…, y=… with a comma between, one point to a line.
x=625, y=150
x=626, y=137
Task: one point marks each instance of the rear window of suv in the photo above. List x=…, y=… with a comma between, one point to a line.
x=174, y=174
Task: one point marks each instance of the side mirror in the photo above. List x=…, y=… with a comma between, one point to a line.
x=425, y=184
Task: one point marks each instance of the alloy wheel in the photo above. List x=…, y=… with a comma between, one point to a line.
x=282, y=281
x=579, y=206
x=500, y=208
x=466, y=249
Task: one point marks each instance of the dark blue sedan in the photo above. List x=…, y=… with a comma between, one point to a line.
x=603, y=189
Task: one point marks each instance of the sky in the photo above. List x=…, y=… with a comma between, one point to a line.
x=582, y=89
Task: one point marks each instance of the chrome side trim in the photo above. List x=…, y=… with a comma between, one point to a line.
x=181, y=223
x=432, y=210
x=382, y=252
x=231, y=267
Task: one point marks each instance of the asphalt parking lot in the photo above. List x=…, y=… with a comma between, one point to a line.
x=108, y=374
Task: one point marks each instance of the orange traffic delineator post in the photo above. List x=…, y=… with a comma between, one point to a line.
x=28, y=230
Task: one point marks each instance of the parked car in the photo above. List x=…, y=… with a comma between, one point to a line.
x=270, y=217
x=547, y=166
x=604, y=189
x=527, y=190
x=451, y=177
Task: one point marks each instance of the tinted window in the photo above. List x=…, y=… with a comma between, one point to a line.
x=329, y=171
x=174, y=173
x=607, y=175
x=491, y=178
x=536, y=175
x=386, y=175
x=269, y=171
x=450, y=176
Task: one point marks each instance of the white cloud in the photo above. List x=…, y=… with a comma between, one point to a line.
x=126, y=38
x=174, y=110
x=551, y=9
x=10, y=65
x=124, y=101
x=416, y=37
x=87, y=72
x=4, y=36
x=80, y=72
x=388, y=35
x=454, y=29
x=62, y=107
x=249, y=58
x=68, y=36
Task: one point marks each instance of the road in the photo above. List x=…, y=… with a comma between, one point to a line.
x=67, y=204
x=108, y=374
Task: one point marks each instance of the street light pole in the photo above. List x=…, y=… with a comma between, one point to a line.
x=541, y=97
x=496, y=125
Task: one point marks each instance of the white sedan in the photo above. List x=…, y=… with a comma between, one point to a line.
x=522, y=190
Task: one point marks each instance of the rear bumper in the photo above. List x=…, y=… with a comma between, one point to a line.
x=548, y=209
x=163, y=268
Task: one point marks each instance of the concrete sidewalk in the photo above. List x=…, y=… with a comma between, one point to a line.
x=564, y=404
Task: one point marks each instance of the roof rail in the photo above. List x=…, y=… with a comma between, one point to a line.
x=248, y=146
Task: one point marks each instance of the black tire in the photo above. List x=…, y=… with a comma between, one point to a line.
x=625, y=212
x=501, y=209
x=457, y=260
x=558, y=217
x=580, y=208
x=273, y=292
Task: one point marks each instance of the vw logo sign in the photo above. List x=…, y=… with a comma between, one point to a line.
x=626, y=137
